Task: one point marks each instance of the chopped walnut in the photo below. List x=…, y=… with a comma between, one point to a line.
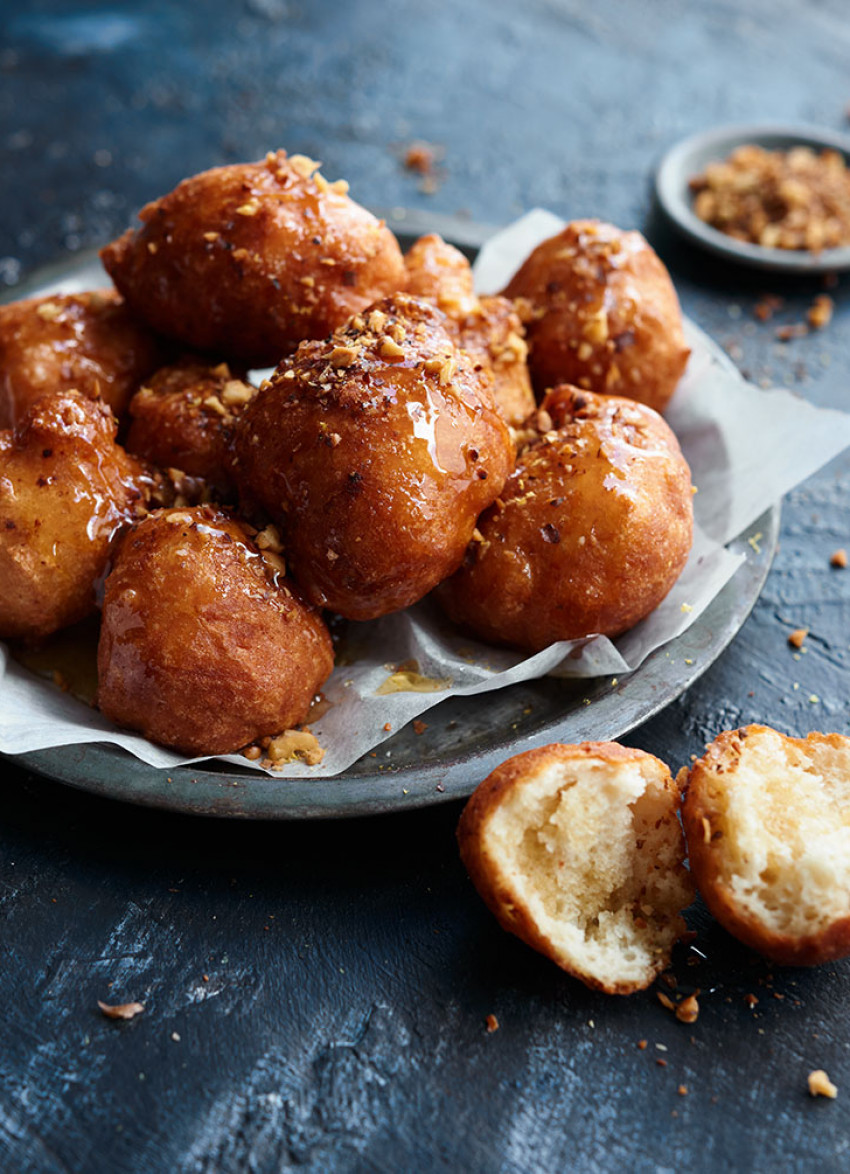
x=49, y=311
x=688, y=1010
x=269, y=539
x=303, y=165
x=797, y=637
x=796, y=199
x=235, y=393
x=249, y=208
x=820, y=312
x=390, y=349
x=343, y=356
x=820, y=1085
x=215, y=405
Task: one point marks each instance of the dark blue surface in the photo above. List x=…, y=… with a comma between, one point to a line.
x=350, y=967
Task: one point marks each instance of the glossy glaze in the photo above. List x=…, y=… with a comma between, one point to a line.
x=204, y=643
x=375, y=452
x=66, y=490
x=88, y=342
x=589, y=534
x=184, y=417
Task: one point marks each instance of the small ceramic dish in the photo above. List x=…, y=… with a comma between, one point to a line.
x=690, y=157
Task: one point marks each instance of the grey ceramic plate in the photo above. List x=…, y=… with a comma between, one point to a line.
x=466, y=737
x=690, y=157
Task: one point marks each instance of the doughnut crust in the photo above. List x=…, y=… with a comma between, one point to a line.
x=578, y=851
x=247, y=260
x=87, y=342
x=66, y=490
x=374, y=452
x=601, y=313
x=184, y=417
x=767, y=820
x=489, y=329
x=589, y=534
x=205, y=645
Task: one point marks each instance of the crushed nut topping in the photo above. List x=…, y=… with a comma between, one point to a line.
x=303, y=165
x=269, y=539
x=343, y=356
x=390, y=349
x=820, y=1085
x=121, y=1010
x=796, y=199
x=595, y=329
x=820, y=312
x=215, y=405
x=49, y=311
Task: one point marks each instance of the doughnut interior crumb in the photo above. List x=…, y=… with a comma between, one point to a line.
x=582, y=858
x=772, y=842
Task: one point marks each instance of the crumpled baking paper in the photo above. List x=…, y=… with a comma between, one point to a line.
x=746, y=448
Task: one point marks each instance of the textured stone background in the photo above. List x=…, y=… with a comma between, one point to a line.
x=329, y=984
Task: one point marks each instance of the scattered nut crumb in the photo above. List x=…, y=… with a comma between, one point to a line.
x=838, y=558
x=682, y=1090
x=795, y=330
x=492, y=1024
x=797, y=637
x=820, y=312
x=642, y=1044
x=419, y=727
x=420, y=157
x=688, y=1010
x=125, y=1010
x=820, y=1085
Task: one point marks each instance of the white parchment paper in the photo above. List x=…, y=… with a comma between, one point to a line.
x=746, y=448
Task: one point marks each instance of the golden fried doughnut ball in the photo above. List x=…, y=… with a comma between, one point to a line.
x=183, y=418
x=489, y=329
x=602, y=313
x=205, y=645
x=88, y=342
x=441, y=273
x=589, y=534
x=494, y=336
x=374, y=452
x=66, y=490
x=248, y=260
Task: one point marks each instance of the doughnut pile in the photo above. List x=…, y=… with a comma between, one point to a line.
x=506, y=451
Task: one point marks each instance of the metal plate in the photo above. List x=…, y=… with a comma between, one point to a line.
x=467, y=737
x=689, y=158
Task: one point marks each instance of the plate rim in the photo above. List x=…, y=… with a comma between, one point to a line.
x=242, y=793
x=670, y=187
